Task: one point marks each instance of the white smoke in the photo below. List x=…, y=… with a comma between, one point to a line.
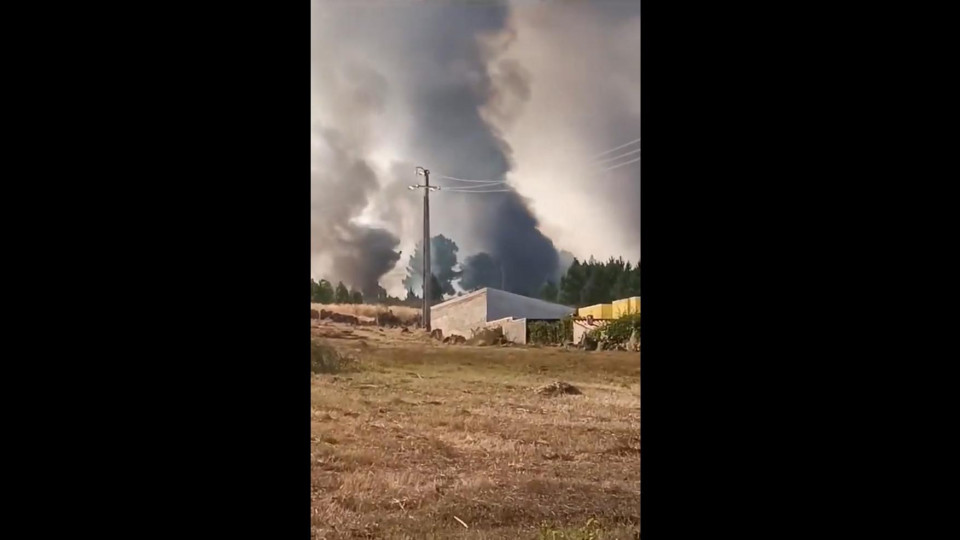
x=582, y=67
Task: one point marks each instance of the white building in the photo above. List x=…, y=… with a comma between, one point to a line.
x=481, y=308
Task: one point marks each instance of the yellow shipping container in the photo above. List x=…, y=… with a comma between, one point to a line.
x=598, y=311
x=621, y=308
x=626, y=306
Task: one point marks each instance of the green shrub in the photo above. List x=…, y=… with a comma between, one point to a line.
x=618, y=331
x=550, y=333
x=567, y=323
x=544, y=332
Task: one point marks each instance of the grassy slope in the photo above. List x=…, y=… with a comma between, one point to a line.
x=423, y=434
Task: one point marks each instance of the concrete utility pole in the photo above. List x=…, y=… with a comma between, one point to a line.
x=427, y=188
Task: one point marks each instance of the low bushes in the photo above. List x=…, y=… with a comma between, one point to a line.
x=617, y=332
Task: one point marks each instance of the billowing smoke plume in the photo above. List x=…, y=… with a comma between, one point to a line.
x=342, y=180
x=458, y=88
x=575, y=66
x=481, y=270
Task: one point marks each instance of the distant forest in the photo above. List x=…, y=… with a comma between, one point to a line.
x=592, y=282
x=582, y=284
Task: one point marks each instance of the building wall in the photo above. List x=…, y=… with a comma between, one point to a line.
x=580, y=328
x=515, y=330
x=460, y=315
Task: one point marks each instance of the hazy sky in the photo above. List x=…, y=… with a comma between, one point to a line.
x=525, y=92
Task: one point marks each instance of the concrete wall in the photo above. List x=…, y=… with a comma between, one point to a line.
x=502, y=304
x=581, y=327
x=515, y=331
x=460, y=315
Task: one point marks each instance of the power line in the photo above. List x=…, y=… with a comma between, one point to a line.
x=617, y=157
x=477, y=181
x=620, y=165
x=497, y=183
x=492, y=191
x=617, y=148
x=472, y=191
x=471, y=188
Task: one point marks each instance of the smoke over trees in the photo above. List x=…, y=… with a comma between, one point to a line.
x=343, y=181
x=472, y=91
x=443, y=265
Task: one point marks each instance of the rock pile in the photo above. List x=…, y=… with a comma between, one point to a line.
x=454, y=339
x=558, y=388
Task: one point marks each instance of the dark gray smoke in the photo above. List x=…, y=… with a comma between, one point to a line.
x=434, y=84
x=458, y=141
x=342, y=182
x=479, y=271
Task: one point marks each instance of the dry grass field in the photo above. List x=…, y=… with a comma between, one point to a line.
x=413, y=439
x=407, y=314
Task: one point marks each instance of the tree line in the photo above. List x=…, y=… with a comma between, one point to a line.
x=593, y=282
x=583, y=283
x=323, y=292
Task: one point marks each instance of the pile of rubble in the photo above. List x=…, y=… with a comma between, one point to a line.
x=488, y=336
x=455, y=339
x=558, y=388
x=452, y=339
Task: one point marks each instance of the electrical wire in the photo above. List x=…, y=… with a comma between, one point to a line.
x=620, y=165
x=617, y=157
x=470, y=188
x=477, y=181
x=617, y=148
x=497, y=183
x=470, y=191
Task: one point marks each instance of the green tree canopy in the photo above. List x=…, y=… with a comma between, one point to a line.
x=342, y=295
x=322, y=292
x=356, y=297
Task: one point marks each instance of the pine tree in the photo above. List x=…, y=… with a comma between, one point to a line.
x=324, y=292
x=356, y=297
x=572, y=283
x=342, y=295
x=549, y=292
